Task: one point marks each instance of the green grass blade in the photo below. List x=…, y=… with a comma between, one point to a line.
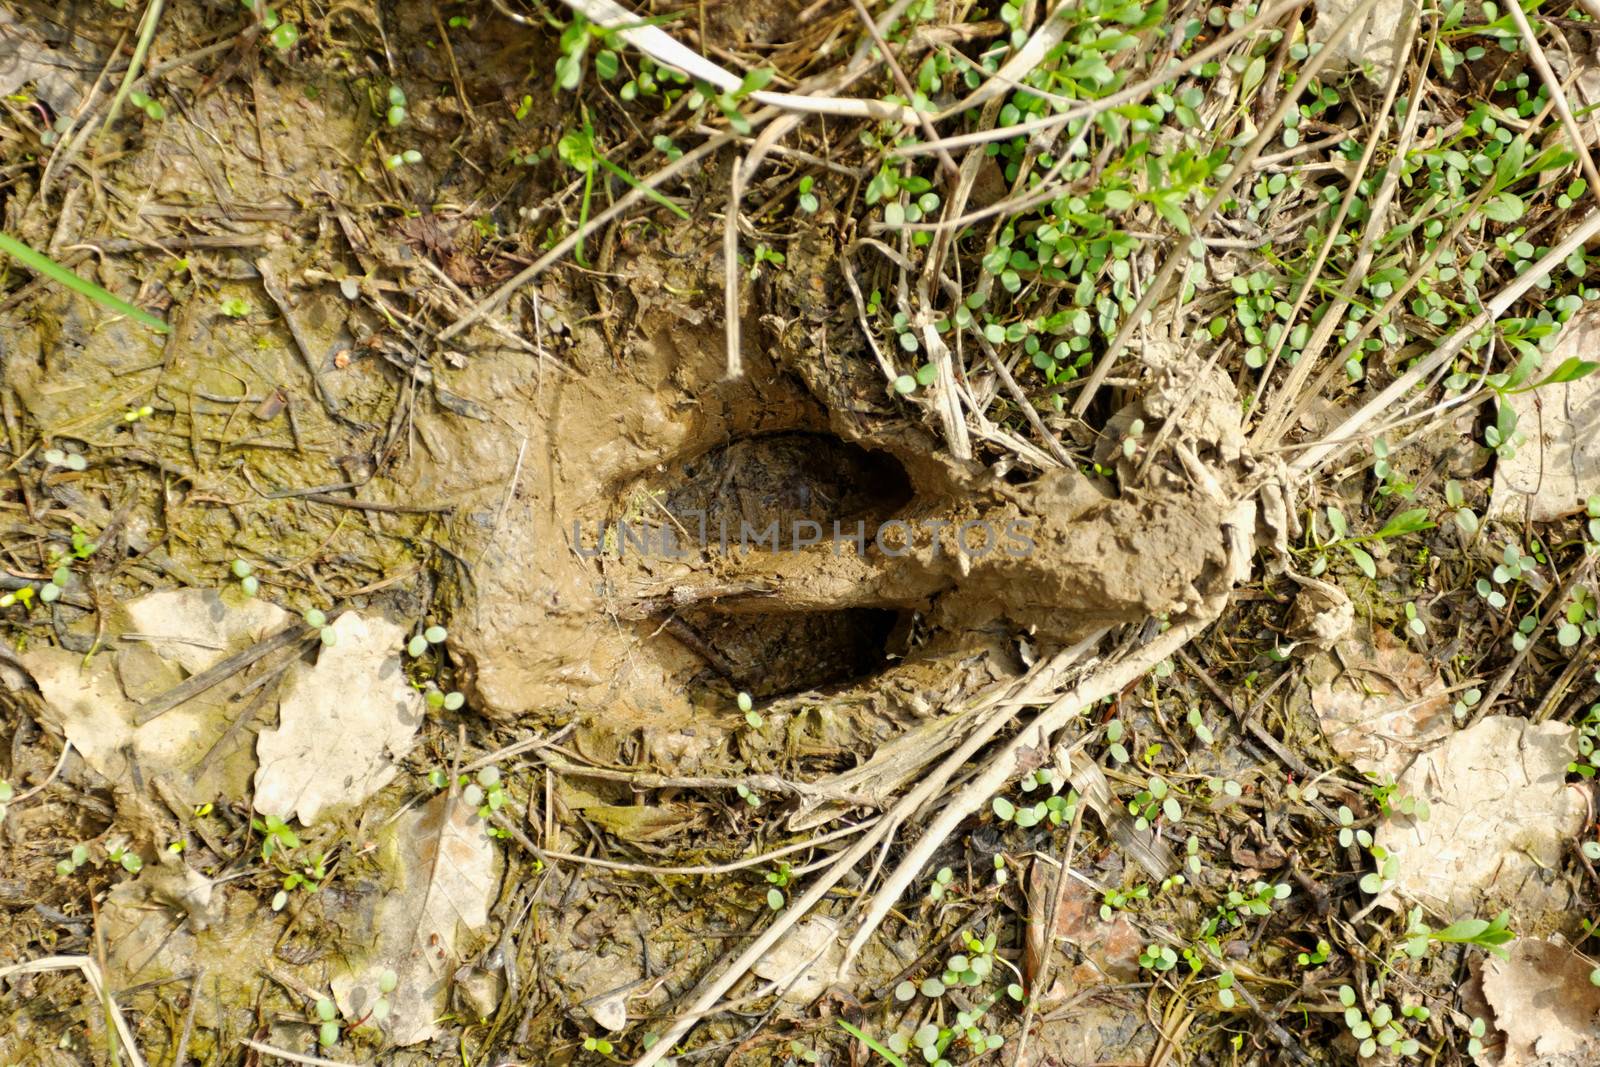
x=643, y=188
x=860, y=1035
x=43, y=264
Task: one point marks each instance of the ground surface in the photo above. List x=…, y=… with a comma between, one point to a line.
x=434, y=631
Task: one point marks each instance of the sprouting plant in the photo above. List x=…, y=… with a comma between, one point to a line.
x=1390, y=482
x=1115, y=900
x=311, y=876
x=139, y=413
x=975, y=965
x=120, y=854
x=1582, y=618
x=1487, y=934
x=1406, y=522
x=1158, y=958
x=1466, y=518
x=1477, y=1028
x=433, y=635
x=748, y=795
x=932, y=1041
x=1155, y=796
x=1114, y=732
x=1130, y=440
x=1502, y=435
x=941, y=883
x=395, y=113
x=387, y=983
x=1316, y=956
x=75, y=859
x=249, y=584
x=487, y=794
x=73, y=461
x=152, y=108
x=576, y=38
x=437, y=698
x=763, y=254
x=1388, y=869
x=1414, y=621
x=747, y=708
x=922, y=377
x=23, y=596
x=807, y=200
x=1389, y=802
x=1514, y=563
x=777, y=880
x=328, y=1027
x=597, y=1044
x=1467, y=701
x=1587, y=765
x=410, y=157
x=1055, y=808
x=281, y=34
x=318, y=620
x=577, y=149
x=235, y=307
x=1381, y=1029
x=60, y=575
x=276, y=836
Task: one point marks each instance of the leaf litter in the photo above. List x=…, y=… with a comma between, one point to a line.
x=1378, y=702
x=1544, y=1008
x=163, y=638
x=440, y=871
x=1500, y=815
x=343, y=724
x=1551, y=469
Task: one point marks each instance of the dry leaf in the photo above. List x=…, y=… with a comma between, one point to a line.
x=805, y=959
x=1109, y=949
x=1384, y=705
x=1556, y=468
x=1322, y=614
x=1544, y=1006
x=1371, y=45
x=1501, y=814
x=342, y=724
x=443, y=872
x=97, y=706
x=57, y=74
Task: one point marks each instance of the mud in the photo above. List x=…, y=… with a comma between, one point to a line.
x=303, y=417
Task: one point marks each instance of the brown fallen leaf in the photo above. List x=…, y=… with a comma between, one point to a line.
x=1556, y=467
x=1385, y=703
x=1545, y=1008
x=1109, y=948
x=646, y=822
x=179, y=634
x=342, y=724
x=1501, y=814
x=805, y=960
x=443, y=872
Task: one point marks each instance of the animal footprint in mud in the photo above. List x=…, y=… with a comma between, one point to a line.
x=792, y=560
